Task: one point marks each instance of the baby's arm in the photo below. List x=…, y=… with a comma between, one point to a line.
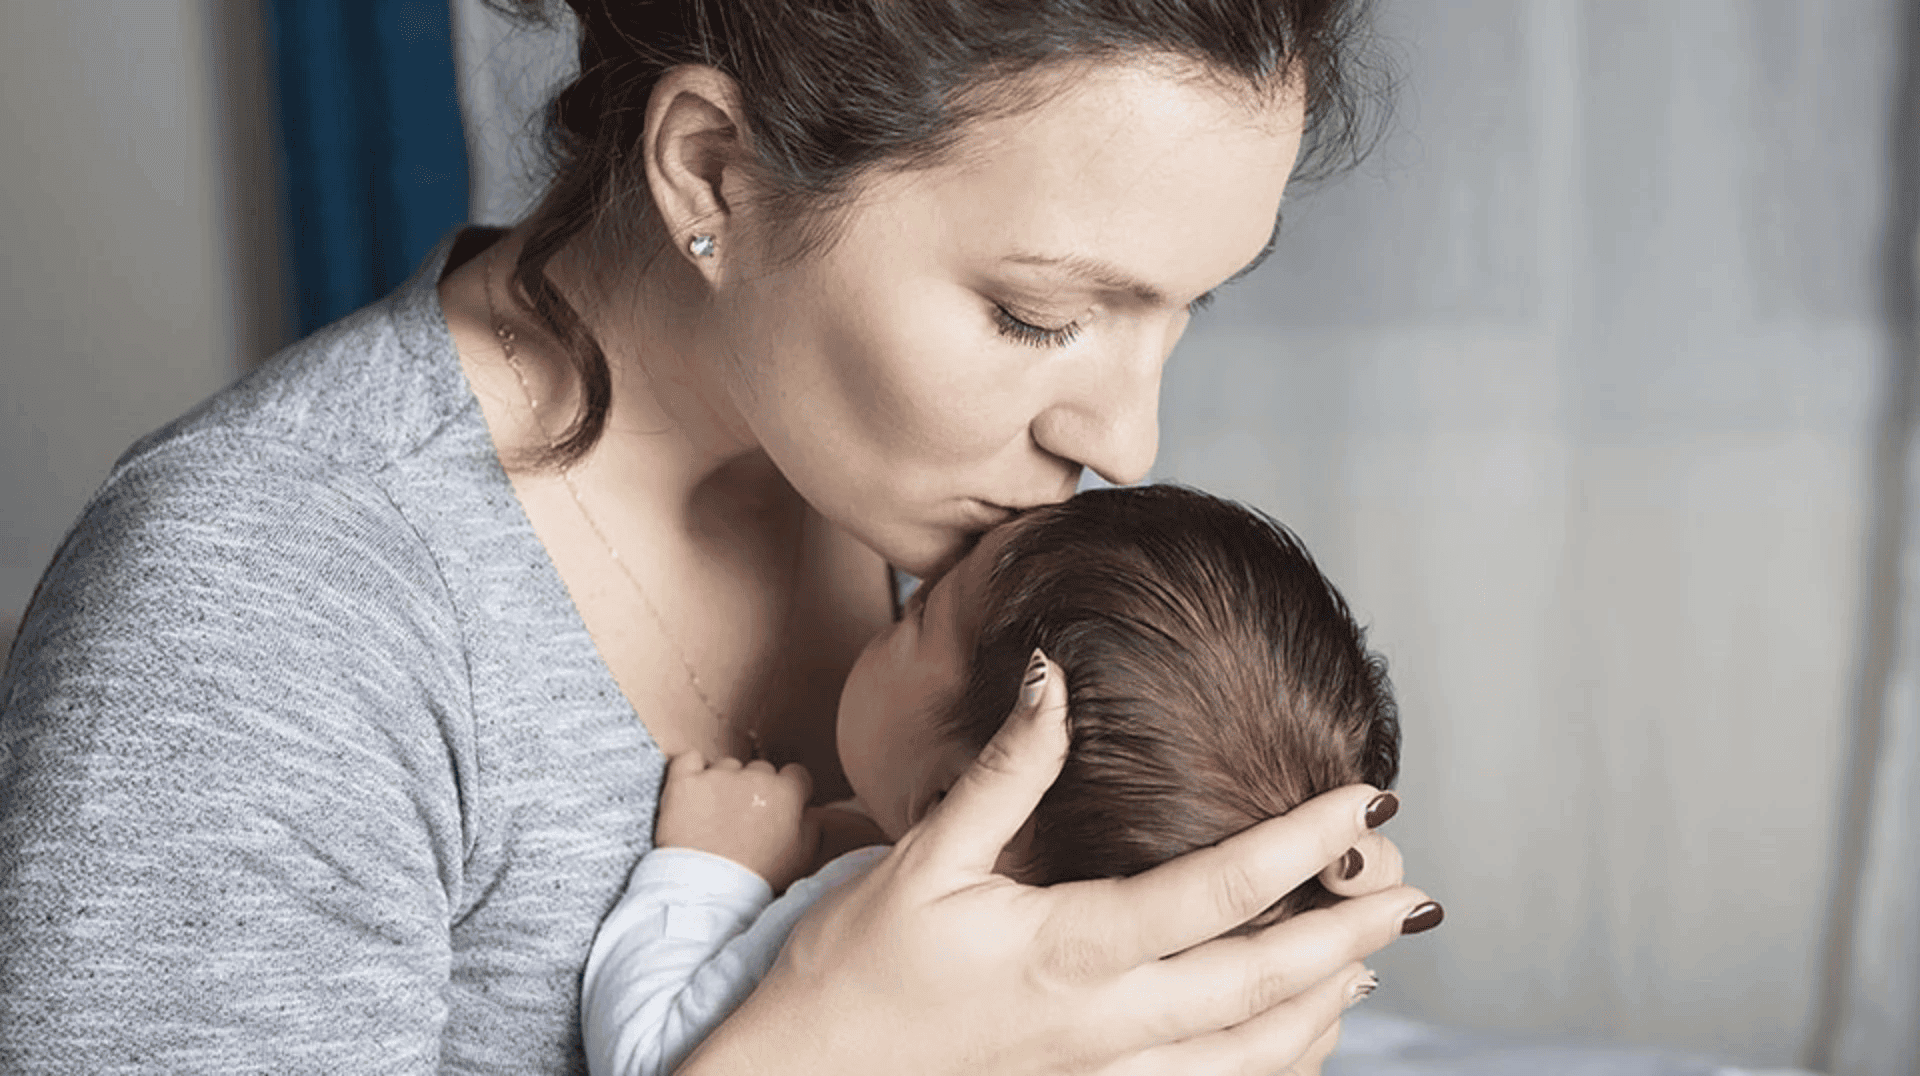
x=694, y=932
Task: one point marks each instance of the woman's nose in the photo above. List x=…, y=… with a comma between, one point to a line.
x=1109, y=420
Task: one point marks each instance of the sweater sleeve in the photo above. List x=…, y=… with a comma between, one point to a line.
x=690, y=939
x=229, y=779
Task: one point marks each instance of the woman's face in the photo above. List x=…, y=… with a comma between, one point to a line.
x=984, y=329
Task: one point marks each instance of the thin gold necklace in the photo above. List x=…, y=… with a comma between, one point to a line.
x=504, y=334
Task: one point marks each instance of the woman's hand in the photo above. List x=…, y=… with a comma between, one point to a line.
x=934, y=964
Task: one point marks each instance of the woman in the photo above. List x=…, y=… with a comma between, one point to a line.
x=341, y=715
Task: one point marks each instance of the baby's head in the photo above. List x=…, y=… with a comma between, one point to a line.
x=1215, y=679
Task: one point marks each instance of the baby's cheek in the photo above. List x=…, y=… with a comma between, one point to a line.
x=862, y=709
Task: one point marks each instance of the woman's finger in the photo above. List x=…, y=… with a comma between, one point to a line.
x=1372, y=864
x=987, y=806
x=1298, y=1029
x=1230, y=980
x=1206, y=893
x=1329, y=1039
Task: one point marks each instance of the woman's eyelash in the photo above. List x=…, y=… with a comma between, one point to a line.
x=1026, y=332
x=1030, y=334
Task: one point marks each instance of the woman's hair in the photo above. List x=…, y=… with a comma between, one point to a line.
x=1215, y=678
x=834, y=89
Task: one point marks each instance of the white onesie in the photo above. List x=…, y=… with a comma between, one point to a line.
x=689, y=940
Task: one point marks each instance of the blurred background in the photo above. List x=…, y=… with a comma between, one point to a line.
x=1594, y=388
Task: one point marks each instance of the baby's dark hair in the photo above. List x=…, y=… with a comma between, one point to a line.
x=1215, y=678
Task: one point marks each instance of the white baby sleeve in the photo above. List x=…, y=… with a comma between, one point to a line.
x=690, y=939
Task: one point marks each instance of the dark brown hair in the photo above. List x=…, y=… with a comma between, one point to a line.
x=1215, y=678
x=833, y=90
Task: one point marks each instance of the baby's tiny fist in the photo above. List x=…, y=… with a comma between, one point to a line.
x=750, y=814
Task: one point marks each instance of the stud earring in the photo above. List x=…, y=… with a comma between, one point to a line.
x=702, y=245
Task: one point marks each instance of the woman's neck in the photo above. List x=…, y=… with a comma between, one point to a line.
x=695, y=565
x=672, y=436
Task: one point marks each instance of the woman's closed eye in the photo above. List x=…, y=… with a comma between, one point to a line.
x=1017, y=328
x=1026, y=332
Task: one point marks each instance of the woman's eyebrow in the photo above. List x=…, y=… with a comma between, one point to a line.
x=1110, y=277
x=1114, y=279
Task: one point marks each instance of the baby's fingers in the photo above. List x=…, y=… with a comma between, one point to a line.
x=799, y=778
x=686, y=764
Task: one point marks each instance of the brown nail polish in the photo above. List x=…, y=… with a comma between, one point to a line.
x=1383, y=807
x=1351, y=865
x=1424, y=918
x=1363, y=989
x=1036, y=680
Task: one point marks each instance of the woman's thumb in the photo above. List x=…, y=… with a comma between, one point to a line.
x=993, y=798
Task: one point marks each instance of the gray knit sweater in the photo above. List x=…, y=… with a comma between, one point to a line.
x=307, y=763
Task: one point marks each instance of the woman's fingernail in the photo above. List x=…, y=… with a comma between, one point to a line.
x=1362, y=988
x=1383, y=807
x=1424, y=918
x=1351, y=864
x=1036, y=681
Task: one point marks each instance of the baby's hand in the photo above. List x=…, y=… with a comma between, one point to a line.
x=750, y=814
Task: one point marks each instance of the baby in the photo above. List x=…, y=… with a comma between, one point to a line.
x=1215, y=679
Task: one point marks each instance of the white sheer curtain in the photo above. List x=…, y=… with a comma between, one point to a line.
x=1580, y=388
x=1576, y=388
x=1871, y=1022
x=507, y=73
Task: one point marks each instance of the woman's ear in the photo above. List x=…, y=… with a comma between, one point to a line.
x=695, y=142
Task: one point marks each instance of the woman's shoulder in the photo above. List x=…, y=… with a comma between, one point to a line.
x=293, y=497
x=219, y=501
x=380, y=385
x=324, y=459
x=227, y=555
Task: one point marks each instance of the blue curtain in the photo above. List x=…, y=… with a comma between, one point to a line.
x=374, y=158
